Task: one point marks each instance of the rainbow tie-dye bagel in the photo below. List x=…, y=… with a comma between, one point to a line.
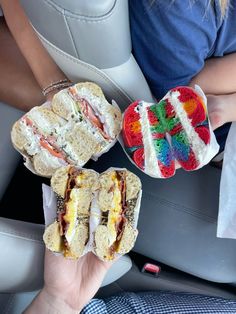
x=171, y=134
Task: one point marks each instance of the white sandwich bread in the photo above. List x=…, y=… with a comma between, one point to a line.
x=77, y=125
x=95, y=212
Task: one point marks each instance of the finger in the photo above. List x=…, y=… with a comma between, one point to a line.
x=104, y=264
x=215, y=120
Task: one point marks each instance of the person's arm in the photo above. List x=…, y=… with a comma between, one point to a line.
x=68, y=284
x=218, y=81
x=218, y=75
x=42, y=65
x=45, y=303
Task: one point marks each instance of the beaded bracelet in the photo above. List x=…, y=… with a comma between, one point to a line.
x=56, y=86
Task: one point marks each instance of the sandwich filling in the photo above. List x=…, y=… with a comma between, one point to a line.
x=37, y=140
x=78, y=124
x=57, y=144
x=69, y=216
x=116, y=216
x=94, y=213
x=90, y=110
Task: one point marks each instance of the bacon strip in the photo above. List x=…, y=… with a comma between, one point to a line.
x=72, y=174
x=121, y=223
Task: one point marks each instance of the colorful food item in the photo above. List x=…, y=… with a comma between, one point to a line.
x=172, y=133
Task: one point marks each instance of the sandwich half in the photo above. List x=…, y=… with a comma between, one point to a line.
x=75, y=189
x=94, y=213
x=87, y=101
x=34, y=136
x=159, y=138
x=119, y=201
x=79, y=124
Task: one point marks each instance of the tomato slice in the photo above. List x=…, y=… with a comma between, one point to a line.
x=28, y=121
x=51, y=149
x=90, y=114
x=45, y=143
x=31, y=124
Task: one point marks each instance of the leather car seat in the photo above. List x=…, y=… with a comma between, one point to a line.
x=22, y=241
x=72, y=31
x=97, y=47
x=9, y=157
x=96, y=44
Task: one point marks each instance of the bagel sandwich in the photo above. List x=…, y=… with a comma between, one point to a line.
x=175, y=132
x=77, y=125
x=95, y=212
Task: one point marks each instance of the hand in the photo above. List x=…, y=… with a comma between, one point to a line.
x=68, y=284
x=74, y=281
x=221, y=109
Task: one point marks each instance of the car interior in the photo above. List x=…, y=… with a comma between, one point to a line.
x=90, y=41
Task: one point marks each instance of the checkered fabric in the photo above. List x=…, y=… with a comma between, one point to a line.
x=160, y=303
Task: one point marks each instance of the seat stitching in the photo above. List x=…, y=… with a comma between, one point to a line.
x=180, y=207
x=56, y=7
x=92, y=68
x=22, y=235
x=71, y=36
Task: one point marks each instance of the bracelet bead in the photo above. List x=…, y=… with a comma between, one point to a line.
x=56, y=86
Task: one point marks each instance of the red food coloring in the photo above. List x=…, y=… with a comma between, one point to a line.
x=131, y=136
x=131, y=139
x=191, y=163
x=152, y=117
x=192, y=103
x=203, y=133
x=170, y=111
x=167, y=171
x=198, y=116
x=131, y=114
x=138, y=158
x=178, y=128
x=157, y=136
x=186, y=93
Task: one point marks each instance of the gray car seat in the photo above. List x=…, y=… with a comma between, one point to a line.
x=9, y=157
x=178, y=217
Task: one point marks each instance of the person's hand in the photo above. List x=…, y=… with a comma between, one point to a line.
x=216, y=111
x=68, y=284
x=221, y=109
x=74, y=281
